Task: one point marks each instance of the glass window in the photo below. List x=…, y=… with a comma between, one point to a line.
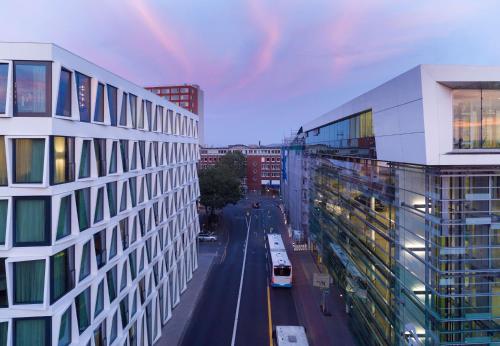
x=82, y=303
x=124, y=232
x=62, y=272
x=124, y=311
x=123, y=283
x=29, y=280
x=63, y=159
x=123, y=202
x=112, y=201
x=31, y=221
x=133, y=190
x=4, y=70
x=467, y=119
x=111, y=276
x=83, y=208
x=140, y=123
x=112, y=250
x=4, y=302
x=123, y=112
x=99, y=104
x=3, y=163
x=64, y=220
x=99, y=206
x=133, y=161
x=65, y=329
x=28, y=160
x=100, y=335
x=3, y=220
x=83, y=95
x=32, y=88
x=100, y=156
x=99, y=302
x=100, y=248
x=142, y=153
x=85, y=262
x=4, y=328
x=132, y=257
x=124, y=154
x=133, y=109
x=490, y=121
x=113, y=107
x=32, y=331
x=64, y=95
x=84, y=171
x=149, y=109
x=114, y=328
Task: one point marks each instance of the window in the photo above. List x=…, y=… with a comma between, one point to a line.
x=123, y=283
x=132, y=257
x=123, y=113
x=140, y=123
x=29, y=278
x=65, y=328
x=112, y=201
x=133, y=109
x=123, y=201
x=124, y=311
x=28, y=160
x=32, y=331
x=112, y=250
x=84, y=171
x=112, y=101
x=4, y=70
x=133, y=161
x=4, y=302
x=99, y=206
x=31, y=221
x=114, y=328
x=100, y=335
x=62, y=159
x=62, y=273
x=142, y=153
x=149, y=110
x=100, y=248
x=64, y=95
x=99, y=104
x=100, y=156
x=32, y=88
x=124, y=233
x=85, y=262
x=111, y=276
x=99, y=301
x=112, y=159
x=83, y=95
x=133, y=190
x=124, y=154
x=82, y=303
x=83, y=208
x=3, y=163
x=3, y=220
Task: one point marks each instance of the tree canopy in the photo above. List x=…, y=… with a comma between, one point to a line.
x=236, y=162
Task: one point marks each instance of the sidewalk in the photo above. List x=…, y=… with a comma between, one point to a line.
x=173, y=331
x=321, y=329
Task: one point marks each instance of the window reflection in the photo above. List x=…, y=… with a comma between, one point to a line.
x=64, y=96
x=63, y=160
x=83, y=94
x=32, y=88
x=4, y=68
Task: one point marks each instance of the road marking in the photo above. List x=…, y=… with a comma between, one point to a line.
x=233, y=340
x=269, y=317
x=225, y=247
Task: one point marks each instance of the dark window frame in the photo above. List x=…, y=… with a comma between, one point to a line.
x=70, y=86
x=89, y=106
x=48, y=220
x=70, y=167
x=14, y=161
x=48, y=88
x=14, y=280
x=71, y=270
x=48, y=334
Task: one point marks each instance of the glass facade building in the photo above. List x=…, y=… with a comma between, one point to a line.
x=413, y=245
x=96, y=245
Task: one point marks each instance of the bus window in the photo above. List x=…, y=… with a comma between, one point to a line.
x=282, y=271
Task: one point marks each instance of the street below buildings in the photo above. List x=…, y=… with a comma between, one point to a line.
x=237, y=306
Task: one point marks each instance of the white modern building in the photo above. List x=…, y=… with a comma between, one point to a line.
x=404, y=205
x=98, y=190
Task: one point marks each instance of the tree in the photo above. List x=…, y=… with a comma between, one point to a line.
x=219, y=186
x=235, y=162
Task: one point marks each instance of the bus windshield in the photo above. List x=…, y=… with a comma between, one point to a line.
x=282, y=271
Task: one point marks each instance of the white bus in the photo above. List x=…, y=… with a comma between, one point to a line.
x=280, y=267
x=291, y=336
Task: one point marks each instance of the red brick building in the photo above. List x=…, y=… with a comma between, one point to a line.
x=263, y=164
x=188, y=96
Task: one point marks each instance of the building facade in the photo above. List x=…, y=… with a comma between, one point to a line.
x=98, y=189
x=187, y=96
x=263, y=164
x=404, y=206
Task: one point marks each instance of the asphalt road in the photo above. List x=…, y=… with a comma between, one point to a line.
x=214, y=318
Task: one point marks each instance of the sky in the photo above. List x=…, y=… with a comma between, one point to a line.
x=266, y=66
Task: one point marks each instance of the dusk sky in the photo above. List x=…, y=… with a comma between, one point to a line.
x=266, y=66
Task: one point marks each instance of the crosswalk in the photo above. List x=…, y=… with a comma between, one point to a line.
x=299, y=247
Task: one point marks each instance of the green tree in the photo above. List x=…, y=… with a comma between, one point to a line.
x=235, y=162
x=219, y=186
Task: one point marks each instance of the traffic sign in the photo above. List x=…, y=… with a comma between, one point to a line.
x=321, y=280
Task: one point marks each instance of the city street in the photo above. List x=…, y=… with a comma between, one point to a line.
x=213, y=320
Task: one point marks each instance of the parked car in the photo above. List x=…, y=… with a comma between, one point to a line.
x=208, y=238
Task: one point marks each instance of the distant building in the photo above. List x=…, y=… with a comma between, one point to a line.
x=188, y=96
x=263, y=164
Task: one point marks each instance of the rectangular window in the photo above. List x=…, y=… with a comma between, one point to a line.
x=28, y=160
x=100, y=335
x=65, y=329
x=4, y=302
x=64, y=220
x=84, y=171
x=124, y=154
x=123, y=112
x=149, y=110
x=32, y=331
x=99, y=304
x=124, y=311
x=83, y=95
x=113, y=158
x=124, y=233
x=64, y=95
x=3, y=163
x=4, y=70
x=142, y=153
x=140, y=123
x=32, y=88
x=99, y=206
x=467, y=119
x=31, y=221
x=112, y=278
x=133, y=110
x=99, y=104
x=3, y=220
x=112, y=250
x=112, y=201
x=490, y=119
x=85, y=261
x=83, y=208
x=113, y=104
x=62, y=273
x=82, y=303
x=100, y=248
x=29, y=278
x=133, y=161
x=62, y=157
x=100, y=156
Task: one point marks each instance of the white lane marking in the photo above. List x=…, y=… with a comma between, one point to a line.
x=233, y=340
